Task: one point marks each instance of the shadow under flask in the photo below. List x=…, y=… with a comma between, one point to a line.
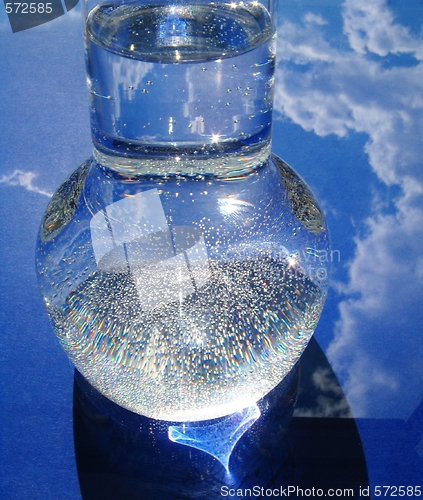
x=183, y=266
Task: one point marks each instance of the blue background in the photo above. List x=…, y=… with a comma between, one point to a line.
x=348, y=118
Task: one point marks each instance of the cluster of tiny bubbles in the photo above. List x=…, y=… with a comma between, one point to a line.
x=239, y=331
x=246, y=325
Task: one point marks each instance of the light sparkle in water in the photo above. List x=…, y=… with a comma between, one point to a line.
x=217, y=439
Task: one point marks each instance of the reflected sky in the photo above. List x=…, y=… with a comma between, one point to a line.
x=348, y=90
x=367, y=81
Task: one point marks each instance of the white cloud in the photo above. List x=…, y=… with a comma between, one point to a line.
x=371, y=26
x=314, y=19
x=335, y=92
x=25, y=180
x=376, y=351
x=377, y=348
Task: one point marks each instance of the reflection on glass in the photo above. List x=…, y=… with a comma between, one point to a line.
x=166, y=263
x=217, y=438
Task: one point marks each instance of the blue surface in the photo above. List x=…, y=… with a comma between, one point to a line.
x=349, y=119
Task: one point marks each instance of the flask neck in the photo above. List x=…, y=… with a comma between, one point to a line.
x=177, y=90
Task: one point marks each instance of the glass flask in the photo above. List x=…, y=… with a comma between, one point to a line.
x=184, y=267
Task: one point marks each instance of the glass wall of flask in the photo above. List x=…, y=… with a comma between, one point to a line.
x=184, y=267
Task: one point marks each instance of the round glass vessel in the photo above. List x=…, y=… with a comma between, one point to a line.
x=184, y=267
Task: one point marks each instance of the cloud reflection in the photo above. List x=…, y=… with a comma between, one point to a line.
x=329, y=401
x=25, y=180
x=370, y=26
x=372, y=85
